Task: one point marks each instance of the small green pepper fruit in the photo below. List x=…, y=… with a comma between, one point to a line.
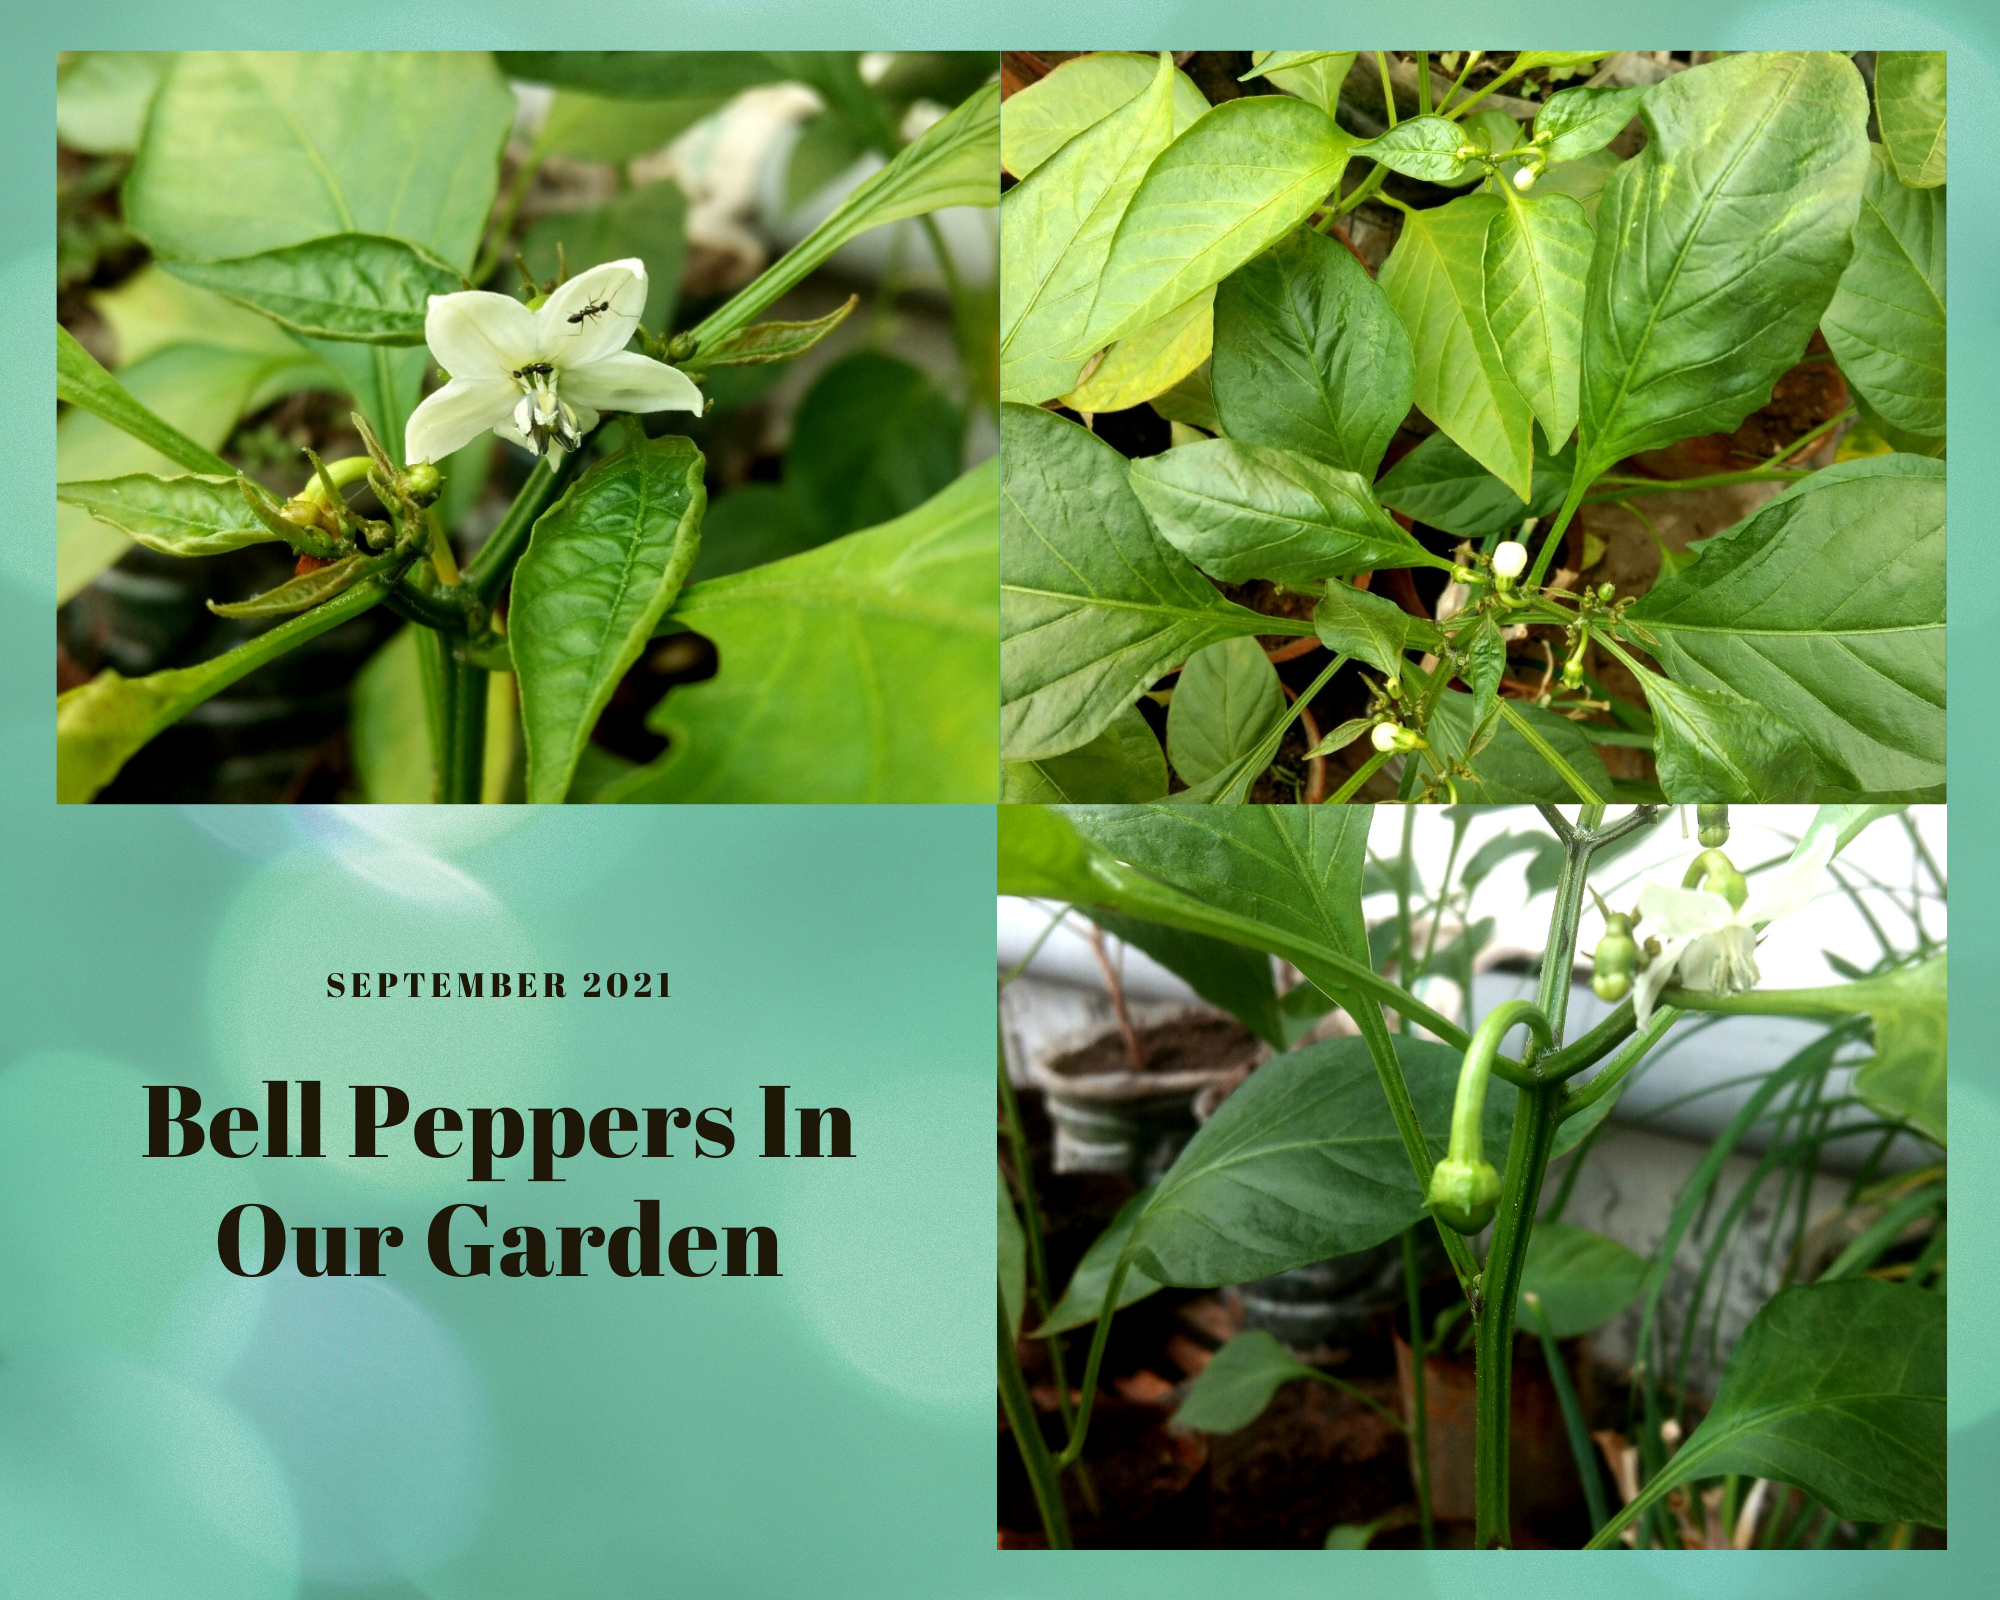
x=1715, y=872
x=422, y=483
x=1713, y=821
x=1465, y=1194
x=1616, y=959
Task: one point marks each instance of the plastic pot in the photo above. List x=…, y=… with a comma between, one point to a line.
x=1109, y=1118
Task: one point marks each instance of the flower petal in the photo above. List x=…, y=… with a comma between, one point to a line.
x=623, y=381
x=1647, y=986
x=475, y=334
x=456, y=415
x=1668, y=913
x=569, y=333
x=1794, y=884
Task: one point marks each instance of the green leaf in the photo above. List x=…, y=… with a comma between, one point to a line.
x=1123, y=763
x=1508, y=768
x=387, y=734
x=1309, y=355
x=1013, y=1259
x=763, y=343
x=601, y=568
x=102, y=724
x=1580, y=122
x=1315, y=76
x=1236, y=182
x=356, y=286
x=951, y=164
x=750, y=525
x=406, y=145
x=82, y=382
x=1040, y=854
x=1152, y=360
x=1435, y=279
x=1224, y=702
x=1716, y=746
x=1232, y=1391
x=646, y=74
x=102, y=96
x=1527, y=60
x=1427, y=148
x=1301, y=1163
x=305, y=591
x=1369, y=628
x=593, y=127
x=1886, y=323
x=649, y=222
x=1909, y=105
x=1341, y=737
x=191, y=516
x=1826, y=608
x=1906, y=1077
x=1722, y=242
x=1296, y=869
x=1228, y=976
x=1537, y=260
x=1094, y=606
x=1583, y=1278
x=186, y=397
x=860, y=672
x=1039, y=120
x=1440, y=485
x=1243, y=511
x=1056, y=228
x=873, y=438
x=1083, y=1299
x=1485, y=665
x=1837, y=1389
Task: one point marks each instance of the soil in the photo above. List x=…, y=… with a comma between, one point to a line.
x=1150, y=1485
x=1196, y=1044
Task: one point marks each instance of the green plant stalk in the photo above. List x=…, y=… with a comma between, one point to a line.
x=1626, y=488
x=1636, y=1049
x=1031, y=1218
x=455, y=703
x=1550, y=754
x=1573, y=1423
x=1419, y=1426
x=486, y=574
x=1537, y=1115
x=1087, y=1395
x=1042, y=1472
x=1405, y=955
x=1388, y=90
x=1361, y=775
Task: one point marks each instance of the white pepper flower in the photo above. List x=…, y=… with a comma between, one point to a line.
x=1510, y=558
x=1706, y=944
x=540, y=377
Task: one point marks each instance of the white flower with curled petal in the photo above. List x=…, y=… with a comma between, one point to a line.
x=541, y=377
x=1708, y=946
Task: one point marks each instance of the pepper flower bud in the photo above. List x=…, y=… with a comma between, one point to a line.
x=1713, y=821
x=1510, y=560
x=1389, y=737
x=1616, y=959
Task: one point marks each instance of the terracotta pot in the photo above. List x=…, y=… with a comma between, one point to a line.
x=1152, y=1485
x=1541, y=1478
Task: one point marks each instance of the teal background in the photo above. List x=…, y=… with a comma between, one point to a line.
x=719, y=1439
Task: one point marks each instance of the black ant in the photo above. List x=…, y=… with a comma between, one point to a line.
x=595, y=308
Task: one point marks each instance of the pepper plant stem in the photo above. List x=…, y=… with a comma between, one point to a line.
x=1419, y=1417
x=1031, y=1221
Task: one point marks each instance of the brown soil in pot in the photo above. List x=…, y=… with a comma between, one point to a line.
x=1192, y=1044
x=1151, y=1486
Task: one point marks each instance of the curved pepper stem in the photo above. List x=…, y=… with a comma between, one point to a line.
x=1465, y=1188
x=1715, y=872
